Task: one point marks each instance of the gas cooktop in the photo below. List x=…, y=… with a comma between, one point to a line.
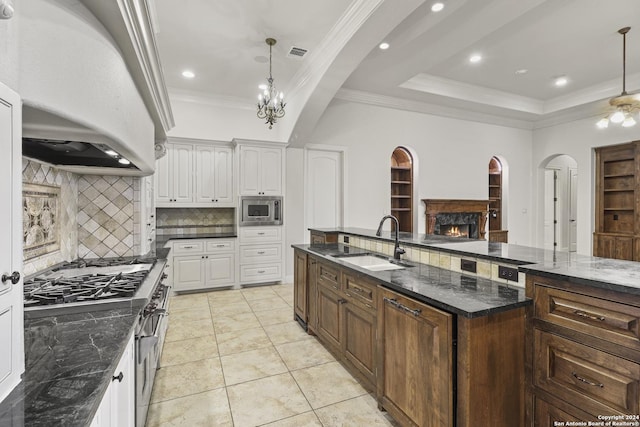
x=87, y=280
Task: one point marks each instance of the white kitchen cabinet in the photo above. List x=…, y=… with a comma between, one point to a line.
x=11, y=304
x=195, y=175
x=174, y=176
x=261, y=254
x=203, y=264
x=117, y=408
x=214, y=175
x=261, y=170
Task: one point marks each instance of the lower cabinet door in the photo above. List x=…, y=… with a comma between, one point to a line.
x=359, y=338
x=188, y=272
x=123, y=398
x=328, y=312
x=548, y=415
x=219, y=270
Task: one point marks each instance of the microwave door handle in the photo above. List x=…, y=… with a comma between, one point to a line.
x=276, y=210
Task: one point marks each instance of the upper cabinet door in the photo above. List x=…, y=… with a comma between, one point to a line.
x=205, y=174
x=162, y=176
x=249, y=171
x=223, y=175
x=182, y=172
x=271, y=171
x=11, y=308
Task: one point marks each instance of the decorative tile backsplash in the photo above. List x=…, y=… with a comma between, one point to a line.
x=67, y=231
x=195, y=220
x=40, y=211
x=106, y=220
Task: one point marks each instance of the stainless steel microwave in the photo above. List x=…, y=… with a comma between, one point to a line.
x=260, y=210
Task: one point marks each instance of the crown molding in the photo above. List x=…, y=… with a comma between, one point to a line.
x=385, y=101
x=137, y=18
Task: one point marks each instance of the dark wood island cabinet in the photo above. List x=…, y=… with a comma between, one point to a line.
x=428, y=366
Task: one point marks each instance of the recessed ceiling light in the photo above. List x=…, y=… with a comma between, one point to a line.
x=437, y=7
x=123, y=161
x=188, y=74
x=384, y=46
x=522, y=71
x=561, y=81
x=111, y=153
x=475, y=58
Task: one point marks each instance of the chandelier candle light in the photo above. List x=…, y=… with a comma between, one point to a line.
x=625, y=105
x=270, y=102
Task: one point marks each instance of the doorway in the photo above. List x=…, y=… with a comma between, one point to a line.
x=560, y=202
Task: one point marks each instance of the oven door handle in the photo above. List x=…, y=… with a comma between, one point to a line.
x=146, y=343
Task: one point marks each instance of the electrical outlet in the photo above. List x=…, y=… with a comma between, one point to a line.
x=508, y=273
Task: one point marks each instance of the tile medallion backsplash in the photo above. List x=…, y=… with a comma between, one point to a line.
x=34, y=173
x=40, y=206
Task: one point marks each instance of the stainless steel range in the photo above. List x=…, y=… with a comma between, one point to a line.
x=102, y=284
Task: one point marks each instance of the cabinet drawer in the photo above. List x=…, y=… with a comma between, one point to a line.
x=360, y=289
x=595, y=381
x=260, y=234
x=260, y=253
x=607, y=320
x=188, y=247
x=220, y=245
x=260, y=273
x=328, y=275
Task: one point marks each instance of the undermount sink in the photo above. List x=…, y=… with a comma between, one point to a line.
x=373, y=262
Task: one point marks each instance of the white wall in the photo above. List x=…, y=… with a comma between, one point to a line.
x=576, y=139
x=453, y=155
x=71, y=67
x=9, y=49
x=294, y=206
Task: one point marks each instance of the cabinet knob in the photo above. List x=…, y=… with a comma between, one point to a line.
x=14, y=277
x=120, y=377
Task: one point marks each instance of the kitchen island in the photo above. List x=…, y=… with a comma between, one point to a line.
x=576, y=352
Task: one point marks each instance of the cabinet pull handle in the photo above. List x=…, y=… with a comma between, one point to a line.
x=13, y=277
x=261, y=271
x=188, y=247
x=348, y=294
x=396, y=304
x=588, y=315
x=261, y=233
x=220, y=246
x=260, y=252
x=368, y=305
x=357, y=289
x=335, y=287
x=586, y=381
x=342, y=301
x=119, y=377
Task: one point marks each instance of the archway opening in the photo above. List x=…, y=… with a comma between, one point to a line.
x=559, y=203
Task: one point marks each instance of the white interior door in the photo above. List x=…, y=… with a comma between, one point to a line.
x=324, y=190
x=549, y=209
x=11, y=308
x=573, y=209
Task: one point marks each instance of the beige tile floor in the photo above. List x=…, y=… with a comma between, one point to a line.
x=237, y=358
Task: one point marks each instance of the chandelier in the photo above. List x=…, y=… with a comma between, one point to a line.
x=625, y=105
x=270, y=102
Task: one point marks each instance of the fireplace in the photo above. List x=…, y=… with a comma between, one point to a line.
x=457, y=218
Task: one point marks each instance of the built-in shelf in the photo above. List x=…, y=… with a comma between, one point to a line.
x=619, y=209
x=618, y=190
x=400, y=209
x=619, y=175
x=402, y=188
x=495, y=200
x=401, y=182
x=400, y=197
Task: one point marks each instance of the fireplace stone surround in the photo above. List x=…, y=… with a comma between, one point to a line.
x=472, y=212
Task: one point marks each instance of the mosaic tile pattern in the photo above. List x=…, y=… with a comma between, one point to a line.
x=37, y=173
x=106, y=221
x=194, y=220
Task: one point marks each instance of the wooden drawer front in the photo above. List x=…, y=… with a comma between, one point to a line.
x=547, y=415
x=595, y=381
x=608, y=320
x=360, y=289
x=317, y=239
x=260, y=253
x=220, y=245
x=260, y=273
x=260, y=234
x=188, y=247
x=328, y=276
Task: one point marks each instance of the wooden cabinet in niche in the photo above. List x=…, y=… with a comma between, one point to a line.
x=402, y=188
x=616, y=225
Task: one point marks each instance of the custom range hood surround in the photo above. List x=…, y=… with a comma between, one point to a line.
x=469, y=212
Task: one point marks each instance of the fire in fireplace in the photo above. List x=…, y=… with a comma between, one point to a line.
x=455, y=230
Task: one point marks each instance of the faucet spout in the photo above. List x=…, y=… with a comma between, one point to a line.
x=397, y=251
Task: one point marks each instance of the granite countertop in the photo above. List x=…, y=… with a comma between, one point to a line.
x=71, y=353
x=454, y=292
x=69, y=360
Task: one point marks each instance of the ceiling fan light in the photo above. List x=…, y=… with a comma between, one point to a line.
x=628, y=122
x=617, y=117
x=603, y=123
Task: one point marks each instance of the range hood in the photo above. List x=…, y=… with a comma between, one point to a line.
x=73, y=153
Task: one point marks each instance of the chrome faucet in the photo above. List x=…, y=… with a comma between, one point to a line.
x=397, y=251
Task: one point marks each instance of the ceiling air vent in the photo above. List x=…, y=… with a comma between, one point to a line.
x=297, y=52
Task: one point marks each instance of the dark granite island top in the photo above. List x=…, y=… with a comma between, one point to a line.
x=69, y=360
x=448, y=290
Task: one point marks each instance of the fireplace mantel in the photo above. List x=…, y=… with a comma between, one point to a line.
x=434, y=207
